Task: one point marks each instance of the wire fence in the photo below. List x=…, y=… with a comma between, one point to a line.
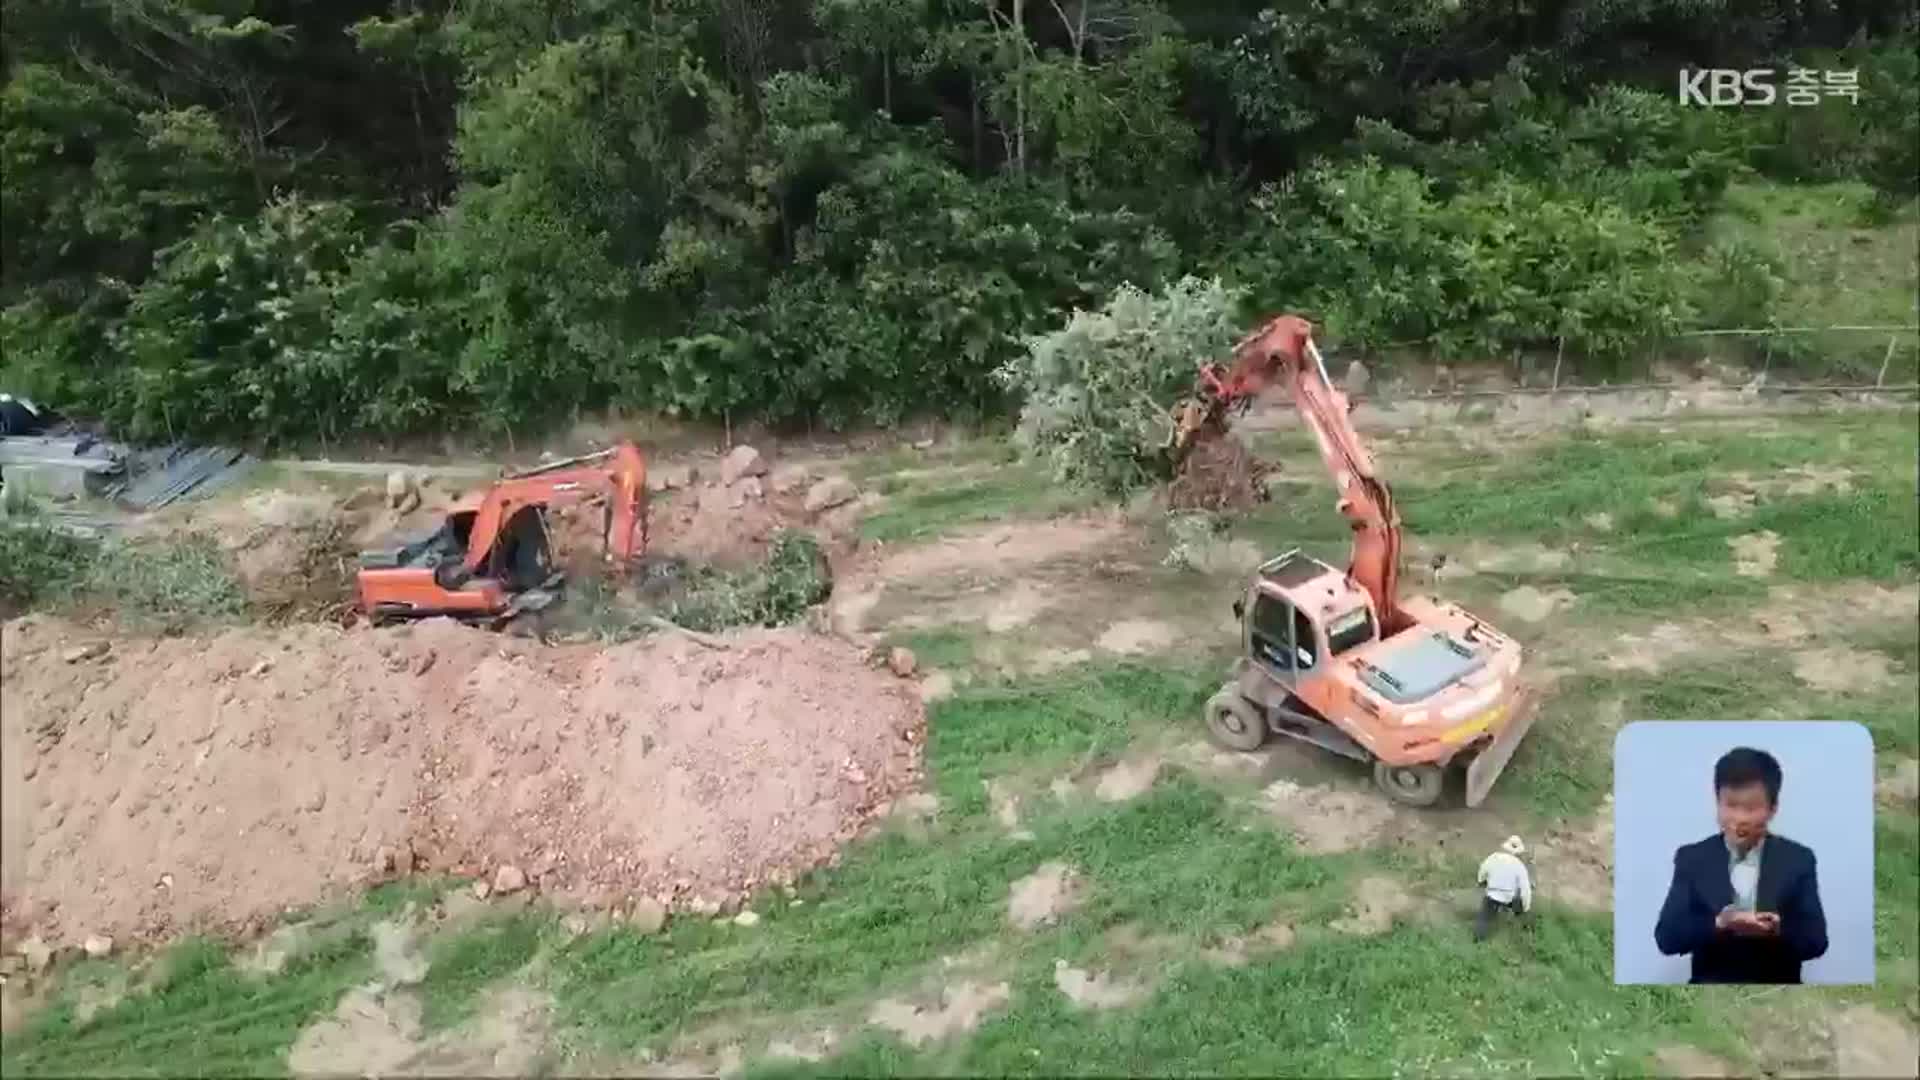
x=1761, y=383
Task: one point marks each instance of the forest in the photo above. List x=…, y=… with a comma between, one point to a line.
x=286, y=220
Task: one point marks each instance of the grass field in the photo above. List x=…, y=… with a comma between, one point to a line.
x=1196, y=928
x=1835, y=267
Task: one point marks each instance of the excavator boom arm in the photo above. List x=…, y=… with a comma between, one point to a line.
x=1283, y=348
x=622, y=482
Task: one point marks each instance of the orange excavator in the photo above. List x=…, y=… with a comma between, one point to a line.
x=491, y=559
x=1414, y=686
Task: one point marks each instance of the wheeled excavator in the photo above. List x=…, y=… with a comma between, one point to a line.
x=1414, y=686
x=491, y=559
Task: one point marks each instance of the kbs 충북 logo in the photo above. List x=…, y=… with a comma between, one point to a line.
x=1725, y=87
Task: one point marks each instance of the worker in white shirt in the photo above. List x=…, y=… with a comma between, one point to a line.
x=1508, y=886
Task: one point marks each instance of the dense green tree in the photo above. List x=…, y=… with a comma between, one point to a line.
x=285, y=219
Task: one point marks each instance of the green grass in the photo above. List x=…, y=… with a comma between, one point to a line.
x=1176, y=859
x=461, y=965
x=928, y=506
x=1896, y=889
x=1062, y=719
x=1420, y=1000
x=202, y=1017
x=1836, y=271
x=167, y=584
x=981, y=451
x=942, y=647
x=1545, y=497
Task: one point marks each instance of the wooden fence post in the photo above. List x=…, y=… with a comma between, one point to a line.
x=1558, y=352
x=1881, y=379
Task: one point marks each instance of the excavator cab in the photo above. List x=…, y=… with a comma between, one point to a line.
x=430, y=575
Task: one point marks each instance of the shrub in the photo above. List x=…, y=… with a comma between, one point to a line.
x=1097, y=393
x=794, y=577
x=1503, y=264
x=173, y=583
x=39, y=564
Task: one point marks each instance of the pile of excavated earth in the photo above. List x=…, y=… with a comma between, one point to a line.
x=154, y=786
x=161, y=785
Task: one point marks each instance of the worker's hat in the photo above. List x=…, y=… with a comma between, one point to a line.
x=1513, y=846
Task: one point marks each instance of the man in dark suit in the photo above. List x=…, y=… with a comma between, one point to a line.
x=1744, y=903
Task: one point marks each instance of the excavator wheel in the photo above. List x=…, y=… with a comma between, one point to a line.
x=1233, y=722
x=1414, y=785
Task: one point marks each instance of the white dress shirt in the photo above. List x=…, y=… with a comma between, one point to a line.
x=1744, y=870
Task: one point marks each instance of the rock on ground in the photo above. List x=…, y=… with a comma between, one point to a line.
x=741, y=461
x=1903, y=783
x=647, y=916
x=789, y=479
x=829, y=493
x=1534, y=605
x=509, y=879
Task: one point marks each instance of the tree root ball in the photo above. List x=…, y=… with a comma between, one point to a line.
x=1218, y=473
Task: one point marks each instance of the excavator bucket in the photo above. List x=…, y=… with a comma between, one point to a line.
x=1491, y=762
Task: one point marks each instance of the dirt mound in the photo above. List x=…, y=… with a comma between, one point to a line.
x=732, y=525
x=280, y=766
x=1218, y=473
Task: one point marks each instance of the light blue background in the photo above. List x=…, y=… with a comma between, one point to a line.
x=1663, y=798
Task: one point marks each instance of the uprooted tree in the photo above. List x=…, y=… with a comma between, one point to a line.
x=1098, y=394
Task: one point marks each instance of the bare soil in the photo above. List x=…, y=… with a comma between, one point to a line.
x=1097, y=989
x=1534, y=605
x=1755, y=554
x=1132, y=637
x=1128, y=779
x=1328, y=819
x=732, y=526
x=1868, y=1042
x=999, y=549
x=279, y=767
x=955, y=1008
x=1688, y=1061
x=376, y=1031
x=1843, y=670
x=1377, y=902
x=1040, y=898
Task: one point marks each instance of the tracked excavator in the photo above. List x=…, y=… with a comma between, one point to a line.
x=1416, y=687
x=490, y=560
